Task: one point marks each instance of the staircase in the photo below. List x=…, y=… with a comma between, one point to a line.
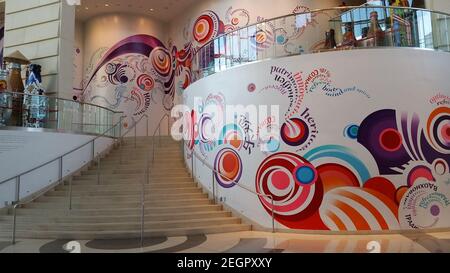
x=174, y=205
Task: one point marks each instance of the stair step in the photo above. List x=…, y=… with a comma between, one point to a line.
x=129, y=234
x=30, y=219
x=134, y=183
x=174, y=204
x=167, y=171
x=118, y=191
x=61, y=212
x=78, y=199
x=135, y=204
x=124, y=226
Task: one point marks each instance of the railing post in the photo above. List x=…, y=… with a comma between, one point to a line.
x=153, y=150
x=14, y=224
x=168, y=125
x=192, y=165
x=121, y=153
x=17, y=189
x=16, y=203
x=60, y=176
x=135, y=135
x=93, y=150
x=148, y=168
x=70, y=194
x=146, y=177
x=213, y=186
x=98, y=169
x=147, y=124
x=159, y=137
x=273, y=215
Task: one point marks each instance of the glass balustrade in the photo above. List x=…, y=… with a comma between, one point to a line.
x=34, y=111
x=324, y=30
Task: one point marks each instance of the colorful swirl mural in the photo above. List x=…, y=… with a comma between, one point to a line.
x=136, y=74
x=392, y=172
x=294, y=185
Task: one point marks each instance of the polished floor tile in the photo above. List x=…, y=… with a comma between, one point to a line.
x=246, y=242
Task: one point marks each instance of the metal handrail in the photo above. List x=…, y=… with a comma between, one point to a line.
x=366, y=6
x=121, y=136
x=158, y=129
x=63, y=99
x=18, y=203
x=71, y=151
x=147, y=170
x=196, y=155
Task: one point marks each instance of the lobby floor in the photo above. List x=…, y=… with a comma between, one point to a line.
x=250, y=242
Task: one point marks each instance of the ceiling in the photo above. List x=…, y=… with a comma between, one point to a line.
x=163, y=10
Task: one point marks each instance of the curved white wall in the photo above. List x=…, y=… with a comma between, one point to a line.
x=97, y=37
x=365, y=142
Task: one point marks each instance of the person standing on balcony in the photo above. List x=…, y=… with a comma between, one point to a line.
x=399, y=22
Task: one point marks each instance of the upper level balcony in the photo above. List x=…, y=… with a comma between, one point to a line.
x=334, y=29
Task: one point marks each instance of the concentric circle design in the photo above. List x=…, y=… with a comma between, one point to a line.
x=228, y=167
x=425, y=206
x=335, y=175
x=281, y=36
x=351, y=131
x=306, y=174
x=419, y=172
x=206, y=127
x=295, y=132
x=111, y=68
x=206, y=27
x=435, y=210
x=390, y=140
x=145, y=82
x=161, y=61
x=352, y=209
x=263, y=39
x=294, y=184
x=438, y=129
x=251, y=88
x=440, y=167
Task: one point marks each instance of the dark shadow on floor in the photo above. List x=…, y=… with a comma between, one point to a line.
x=123, y=244
x=430, y=243
x=191, y=242
x=252, y=245
x=55, y=246
x=4, y=245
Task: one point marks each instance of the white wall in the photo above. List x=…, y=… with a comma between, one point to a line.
x=107, y=30
x=374, y=80
x=97, y=36
x=21, y=151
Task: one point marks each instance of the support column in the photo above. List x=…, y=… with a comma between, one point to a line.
x=44, y=31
